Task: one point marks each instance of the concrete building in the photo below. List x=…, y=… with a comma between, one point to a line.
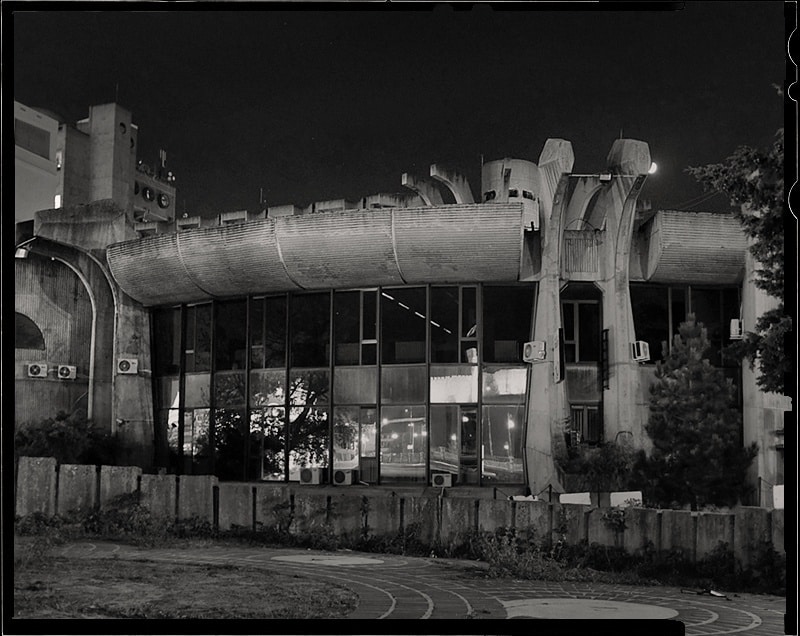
x=400, y=340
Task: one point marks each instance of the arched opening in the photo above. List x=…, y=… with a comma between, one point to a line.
x=26, y=334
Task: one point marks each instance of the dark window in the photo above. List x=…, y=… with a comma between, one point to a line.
x=167, y=341
x=506, y=322
x=707, y=308
x=589, y=332
x=527, y=195
x=198, y=338
x=32, y=138
x=230, y=444
x=230, y=335
x=444, y=324
x=512, y=194
x=26, y=334
x=268, y=332
x=488, y=196
x=651, y=318
x=310, y=328
x=678, y=310
x=347, y=327
x=403, y=325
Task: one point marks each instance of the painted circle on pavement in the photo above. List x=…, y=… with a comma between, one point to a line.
x=327, y=559
x=584, y=608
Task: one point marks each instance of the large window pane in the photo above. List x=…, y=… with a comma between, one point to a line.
x=308, y=439
x=444, y=324
x=507, y=385
x=506, y=322
x=454, y=384
x=469, y=313
x=403, y=325
x=167, y=341
x=275, y=332
x=166, y=439
x=468, y=442
x=269, y=424
x=589, y=332
x=198, y=389
x=707, y=308
x=731, y=308
x=355, y=385
x=310, y=329
x=401, y=385
x=229, y=388
x=346, y=437
x=445, y=439
x=167, y=390
x=267, y=387
x=257, y=333
x=196, y=443
x=404, y=445
x=678, y=309
x=309, y=386
x=651, y=317
x=230, y=435
x=347, y=327
x=502, y=444
x=230, y=335
x=198, y=338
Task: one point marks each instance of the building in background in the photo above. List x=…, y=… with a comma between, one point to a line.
x=397, y=339
x=35, y=162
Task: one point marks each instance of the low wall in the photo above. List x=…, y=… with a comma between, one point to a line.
x=354, y=511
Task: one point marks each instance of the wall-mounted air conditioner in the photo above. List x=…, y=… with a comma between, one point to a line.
x=442, y=480
x=37, y=370
x=534, y=351
x=128, y=366
x=343, y=477
x=737, y=329
x=311, y=476
x=640, y=351
x=67, y=372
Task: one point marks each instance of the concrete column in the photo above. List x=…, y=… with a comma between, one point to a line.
x=425, y=188
x=456, y=183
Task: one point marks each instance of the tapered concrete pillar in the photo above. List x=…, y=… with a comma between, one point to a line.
x=424, y=187
x=456, y=183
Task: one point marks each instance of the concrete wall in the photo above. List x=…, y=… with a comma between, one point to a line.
x=355, y=512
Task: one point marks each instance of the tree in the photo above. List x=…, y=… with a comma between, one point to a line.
x=697, y=455
x=753, y=180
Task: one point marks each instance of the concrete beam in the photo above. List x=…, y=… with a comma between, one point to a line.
x=424, y=187
x=456, y=183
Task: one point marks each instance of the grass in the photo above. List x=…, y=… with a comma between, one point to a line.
x=55, y=587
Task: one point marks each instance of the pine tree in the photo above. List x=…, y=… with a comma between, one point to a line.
x=697, y=455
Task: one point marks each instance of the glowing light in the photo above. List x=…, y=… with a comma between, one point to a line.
x=387, y=295
x=653, y=168
x=394, y=435
x=404, y=306
x=454, y=437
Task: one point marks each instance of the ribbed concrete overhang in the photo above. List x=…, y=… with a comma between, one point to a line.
x=339, y=250
x=694, y=248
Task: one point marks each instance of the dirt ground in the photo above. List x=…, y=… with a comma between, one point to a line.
x=107, y=588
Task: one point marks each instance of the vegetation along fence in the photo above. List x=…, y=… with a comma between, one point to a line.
x=438, y=517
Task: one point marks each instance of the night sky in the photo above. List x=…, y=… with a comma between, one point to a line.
x=324, y=104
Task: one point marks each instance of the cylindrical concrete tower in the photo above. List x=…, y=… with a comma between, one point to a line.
x=515, y=181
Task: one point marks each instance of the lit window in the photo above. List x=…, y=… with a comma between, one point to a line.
x=57, y=201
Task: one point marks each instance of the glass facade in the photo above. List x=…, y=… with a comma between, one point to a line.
x=395, y=384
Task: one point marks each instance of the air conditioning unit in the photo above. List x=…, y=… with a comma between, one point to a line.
x=128, y=366
x=311, y=476
x=737, y=329
x=37, y=370
x=343, y=477
x=534, y=351
x=640, y=351
x=67, y=372
x=442, y=480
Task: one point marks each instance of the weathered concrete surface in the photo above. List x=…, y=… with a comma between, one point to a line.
x=538, y=516
x=272, y=505
x=573, y=518
x=600, y=531
x=118, y=480
x=77, y=488
x=678, y=531
x=458, y=518
x=752, y=527
x=196, y=496
x=642, y=526
x=158, y=494
x=713, y=528
x=36, y=486
x=421, y=515
x=310, y=512
x=383, y=517
x=346, y=515
x=494, y=514
x=778, y=521
x=235, y=506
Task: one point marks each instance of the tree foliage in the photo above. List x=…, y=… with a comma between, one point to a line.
x=697, y=456
x=753, y=180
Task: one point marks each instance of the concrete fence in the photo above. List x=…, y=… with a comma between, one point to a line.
x=435, y=516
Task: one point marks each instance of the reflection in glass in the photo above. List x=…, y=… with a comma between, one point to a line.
x=506, y=322
x=267, y=387
x=308, y=439
x=229, y=388
x=167, y=392
x=445, y=439
x=469, y=446
x=346, y=437
x=198, y=338
x=502, y=444
x=167, y=442
x=230, y=432
x=403, y=385
x=267, y=426
x=198, y=389
x=469, y=313
x=505, y=384
x=444, y=324
x=196, y=443
x=403, y=325
x=230, y=335
x=355, y=385
x=309, y=386
x=454, y=384
x=404, y=443
x=347, y=327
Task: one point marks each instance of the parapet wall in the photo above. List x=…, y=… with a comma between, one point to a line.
x=436, y=516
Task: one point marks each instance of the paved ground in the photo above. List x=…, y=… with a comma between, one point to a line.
x=391, y=586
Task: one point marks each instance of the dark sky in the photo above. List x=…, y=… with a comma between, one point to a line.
x=323, y=104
